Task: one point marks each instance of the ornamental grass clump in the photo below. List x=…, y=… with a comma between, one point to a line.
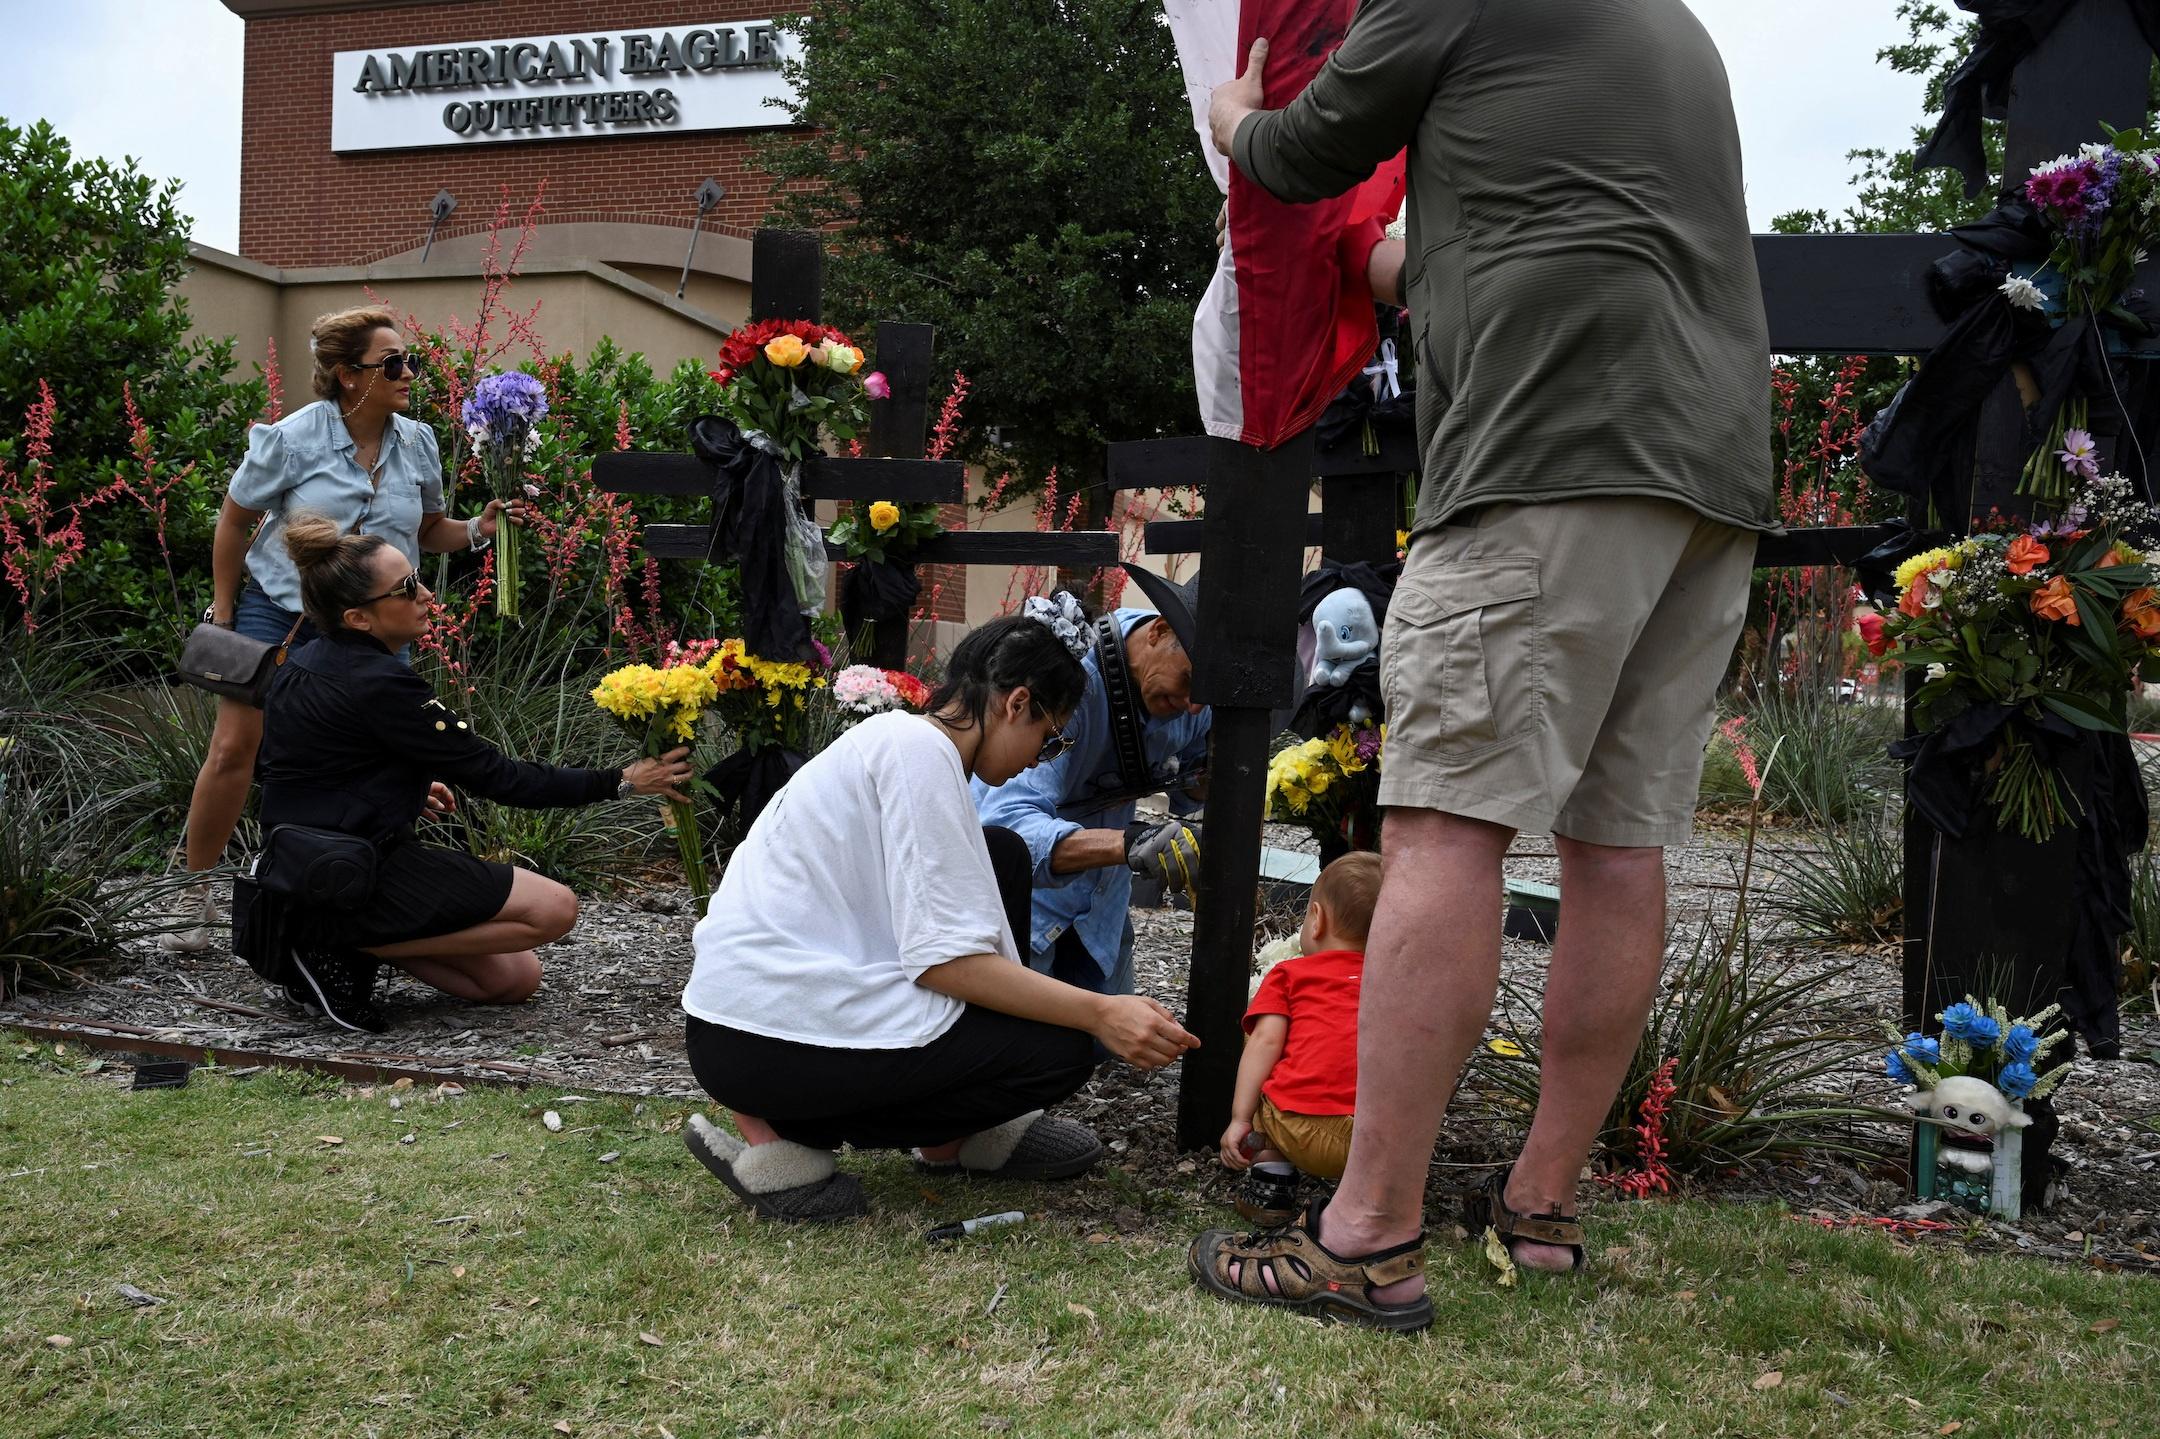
x=1729, y=1068
x=71, y=898
x=1842, y=882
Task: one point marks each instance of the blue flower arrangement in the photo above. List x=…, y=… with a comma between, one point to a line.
x=1980, y=1041
x=502, y=418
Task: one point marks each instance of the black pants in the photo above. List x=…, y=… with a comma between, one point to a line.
x=988, y=1068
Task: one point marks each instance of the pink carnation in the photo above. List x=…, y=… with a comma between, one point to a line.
x=865, y=690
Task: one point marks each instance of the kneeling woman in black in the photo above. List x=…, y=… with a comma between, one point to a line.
x=856, y=978
x=354, y=741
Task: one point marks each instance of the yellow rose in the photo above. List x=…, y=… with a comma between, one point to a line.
x=884, y=515
x=787, y=351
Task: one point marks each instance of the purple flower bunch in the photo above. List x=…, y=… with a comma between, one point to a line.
x=2078, y=190
x=505, y=408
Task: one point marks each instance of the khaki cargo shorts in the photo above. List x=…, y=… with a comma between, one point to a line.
x=1555, y=666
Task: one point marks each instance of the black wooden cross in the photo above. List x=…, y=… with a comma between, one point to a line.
x=787, y=276
x=1827, y=294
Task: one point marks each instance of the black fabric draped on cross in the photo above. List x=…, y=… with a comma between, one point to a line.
x=878, y=592
x=1922, y=443
x=1946, y=781
x=1980, y=86
x=1351, y=413
x=745, y=782
x=749, y=527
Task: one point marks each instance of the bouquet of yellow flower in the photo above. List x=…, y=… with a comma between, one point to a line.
x=767, y=704
x=2028, y=635
x=1331, y=785
x=882, y=532
x=660, y=707
x=763, y=701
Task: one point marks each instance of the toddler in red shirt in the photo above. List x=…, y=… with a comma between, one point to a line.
x=1297, y=1083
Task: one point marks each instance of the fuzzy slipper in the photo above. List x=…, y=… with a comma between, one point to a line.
x=1033, y=1146
x=785, y=1181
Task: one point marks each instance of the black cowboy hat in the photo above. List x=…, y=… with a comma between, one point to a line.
x=1177, y=603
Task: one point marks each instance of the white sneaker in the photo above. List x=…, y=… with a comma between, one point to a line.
x=199, y=904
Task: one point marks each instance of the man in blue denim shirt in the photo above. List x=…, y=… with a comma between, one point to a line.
x=1075, y=811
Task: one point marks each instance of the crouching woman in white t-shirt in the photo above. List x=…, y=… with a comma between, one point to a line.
x=857, y=980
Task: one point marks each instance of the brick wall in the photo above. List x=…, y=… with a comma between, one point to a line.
x=301, y=204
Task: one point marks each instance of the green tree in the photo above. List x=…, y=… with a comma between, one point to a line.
x=1026, y=178
x=89, y=255
x=1894, y=198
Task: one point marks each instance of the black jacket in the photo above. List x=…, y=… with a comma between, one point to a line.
x=352, y=738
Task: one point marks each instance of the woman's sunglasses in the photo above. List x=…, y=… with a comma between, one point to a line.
x=395, y=367
x=405, y=589
x=1054, y=746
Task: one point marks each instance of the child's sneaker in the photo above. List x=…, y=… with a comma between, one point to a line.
x=1268, y=1200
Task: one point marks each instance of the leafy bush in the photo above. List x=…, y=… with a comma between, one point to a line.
x=89, y=252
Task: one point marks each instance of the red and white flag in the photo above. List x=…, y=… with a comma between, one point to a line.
x=1287, y=321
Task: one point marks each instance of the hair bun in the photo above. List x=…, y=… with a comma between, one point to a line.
x=312, y=540
x=1065, y=617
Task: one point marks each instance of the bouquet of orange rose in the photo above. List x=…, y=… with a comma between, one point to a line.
x=2028, y=635
x=794, y=382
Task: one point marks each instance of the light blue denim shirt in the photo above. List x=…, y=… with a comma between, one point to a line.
x=1044, y=804
x=306, y=462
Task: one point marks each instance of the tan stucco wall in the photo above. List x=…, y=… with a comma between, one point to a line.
x=579, y=302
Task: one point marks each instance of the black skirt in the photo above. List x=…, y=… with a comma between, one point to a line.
x=424, y=890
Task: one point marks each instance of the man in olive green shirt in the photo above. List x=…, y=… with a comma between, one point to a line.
x=1593, y=416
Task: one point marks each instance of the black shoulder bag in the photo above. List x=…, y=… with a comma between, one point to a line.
x=225, y=662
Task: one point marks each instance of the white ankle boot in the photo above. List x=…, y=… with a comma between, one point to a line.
x=199, y=904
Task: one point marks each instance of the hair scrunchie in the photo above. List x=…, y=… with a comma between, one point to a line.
x=1065, y=619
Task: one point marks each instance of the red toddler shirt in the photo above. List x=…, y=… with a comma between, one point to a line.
x=1318, y=993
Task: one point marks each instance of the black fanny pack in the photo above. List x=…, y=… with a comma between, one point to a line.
x=324, y=867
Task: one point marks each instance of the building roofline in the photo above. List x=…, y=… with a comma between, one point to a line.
x=394, y=270
x=276, y=9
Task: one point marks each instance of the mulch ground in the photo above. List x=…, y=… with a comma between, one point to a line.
x=607, y=1019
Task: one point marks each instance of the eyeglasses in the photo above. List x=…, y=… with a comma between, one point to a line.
x=1054, y=746
x=405, y=589
x=395, y=366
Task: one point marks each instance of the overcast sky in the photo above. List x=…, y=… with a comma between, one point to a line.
x=160, y=80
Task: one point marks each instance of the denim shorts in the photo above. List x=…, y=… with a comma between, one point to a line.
x=256, y=617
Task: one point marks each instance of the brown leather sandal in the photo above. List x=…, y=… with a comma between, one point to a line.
x=1486, y=1208
x=1288, y=1268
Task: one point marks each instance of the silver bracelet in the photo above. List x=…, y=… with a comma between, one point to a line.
x=474, y=540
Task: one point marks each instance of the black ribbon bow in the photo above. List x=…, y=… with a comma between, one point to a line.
x=750, y=527
x=746, y=781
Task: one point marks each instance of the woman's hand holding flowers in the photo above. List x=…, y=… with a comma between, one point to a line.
x=662, y=775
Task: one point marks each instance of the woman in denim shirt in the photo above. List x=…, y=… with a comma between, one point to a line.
x=354, y=456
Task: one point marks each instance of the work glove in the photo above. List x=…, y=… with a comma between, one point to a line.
x=1169, y=852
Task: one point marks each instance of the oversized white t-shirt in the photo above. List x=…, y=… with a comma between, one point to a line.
x=868, y=868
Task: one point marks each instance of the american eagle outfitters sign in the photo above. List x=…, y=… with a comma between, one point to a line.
x=561, y=87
